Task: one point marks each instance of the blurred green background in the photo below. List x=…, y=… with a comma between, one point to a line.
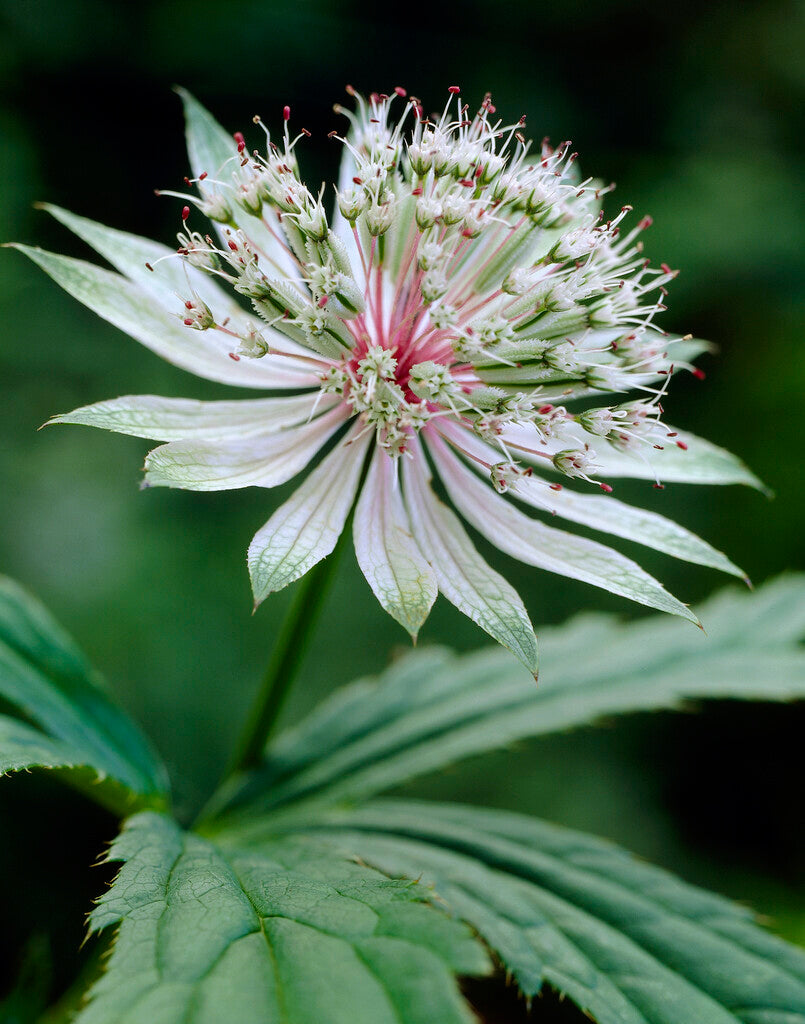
x=691, y=108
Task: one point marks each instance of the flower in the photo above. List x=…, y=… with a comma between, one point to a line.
x=467, y=310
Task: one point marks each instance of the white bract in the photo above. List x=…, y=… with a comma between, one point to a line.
x=465, y=310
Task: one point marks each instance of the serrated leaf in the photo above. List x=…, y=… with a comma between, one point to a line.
x=67, y=721
x=626, y=941
x=292, y=932
x=433, y=708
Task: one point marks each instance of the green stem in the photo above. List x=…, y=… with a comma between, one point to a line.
x=286, y=659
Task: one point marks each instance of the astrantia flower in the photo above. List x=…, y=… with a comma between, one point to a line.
x=466, y=311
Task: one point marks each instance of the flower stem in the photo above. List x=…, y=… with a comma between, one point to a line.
x=286, y=659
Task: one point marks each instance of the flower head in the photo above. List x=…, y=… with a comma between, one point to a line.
x=466, y=309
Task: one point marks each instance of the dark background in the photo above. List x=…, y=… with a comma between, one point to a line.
x=690, y=107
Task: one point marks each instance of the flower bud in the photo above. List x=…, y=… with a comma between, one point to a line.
x=428, y=211
x=379, y=218
x=352, y=202
x=574, y=462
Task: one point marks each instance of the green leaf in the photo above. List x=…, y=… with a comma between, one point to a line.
x=432, y=708
x=297, y=909
x=628, y=942
x=292, y=932
x=65, y=720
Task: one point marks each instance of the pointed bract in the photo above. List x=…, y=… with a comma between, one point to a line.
x=387, y=552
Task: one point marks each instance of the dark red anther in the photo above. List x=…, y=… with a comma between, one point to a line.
x=323, y=301
x=400, y=91
x=466, y=183
x=698, y=374
x=202, y=176
x=454, y=89
x=665, y=268
x=232, y=245
x=305, y=132
x=682, y=445
x=556, y=487
x=186, y=180
x=606, y=488
x=658, y=487
x=545, y=409
x=234, y=356
x=185, y=212
x=188, y=323
x=479, y=171
x=358, y=181
x=149, y=267
x=416, y=191
x=188, y=304
x=286, y=113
